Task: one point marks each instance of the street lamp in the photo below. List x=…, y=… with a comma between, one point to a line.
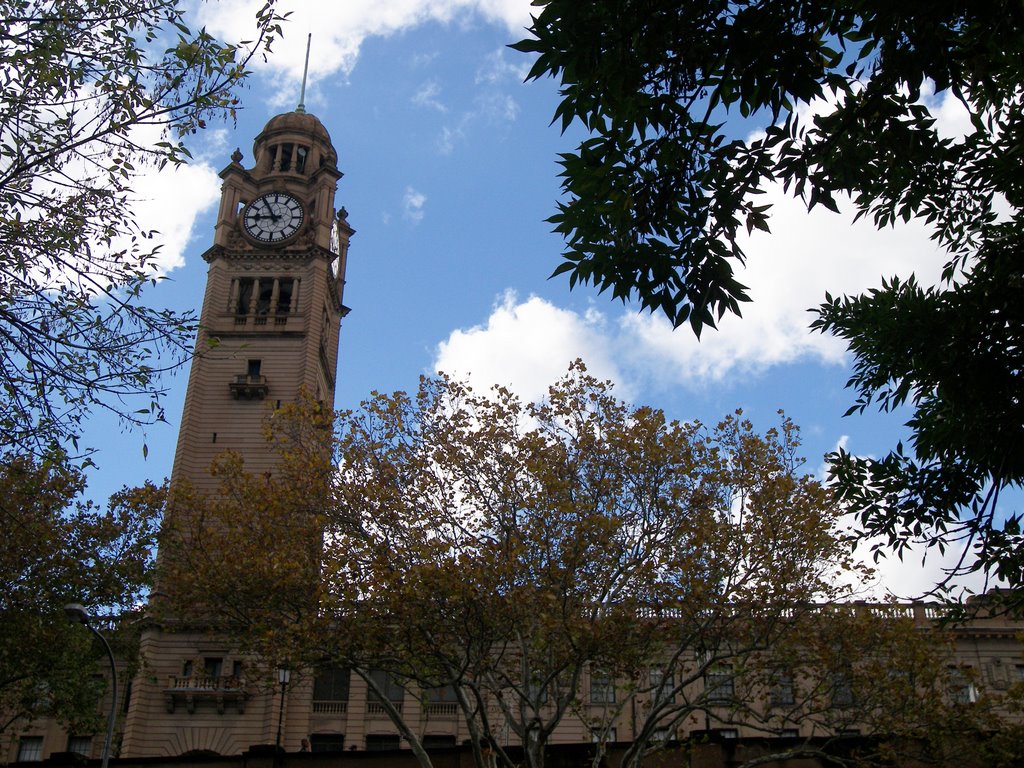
x=79, y=615
x=283, y=676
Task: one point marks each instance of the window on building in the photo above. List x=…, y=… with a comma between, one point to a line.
x=326, y=742
x=719, y=683
x=213, y=666
x=603, y=735
x=301, y=153
x=901, y=681
x=265, y=297
x=782, y=693
x=789, y=733
x=602, y=687
x=186, y=668
x=661, y=684
x=80, y=745
x=331, y=684
x=444, y=694
x=378, y=742
x=30, y=749
x=657, y=679
x=537, y=690
x=245, y=290
x=253, y=369
x=286, y=157
x=842, y=690
x=392, y=689
x=285, y=291
x=961, y=688
x=441, y=700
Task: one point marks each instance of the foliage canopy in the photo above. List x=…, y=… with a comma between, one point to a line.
x=836, y=100
x=90, y=94
x=57, y=550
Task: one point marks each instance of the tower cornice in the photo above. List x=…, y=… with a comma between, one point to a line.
x=297, y=252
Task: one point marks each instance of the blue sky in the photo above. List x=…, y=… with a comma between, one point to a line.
x=450, y=170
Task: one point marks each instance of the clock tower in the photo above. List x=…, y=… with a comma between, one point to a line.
x=273, y=303
x=268, y=331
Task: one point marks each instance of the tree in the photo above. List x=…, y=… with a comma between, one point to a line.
x=91, y=93
x=536, y=564
x=657, y=194
x=57, y=550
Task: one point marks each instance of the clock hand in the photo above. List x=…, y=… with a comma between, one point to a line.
x=268, y=213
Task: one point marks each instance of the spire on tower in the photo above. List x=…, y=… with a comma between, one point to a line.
x=305, y=71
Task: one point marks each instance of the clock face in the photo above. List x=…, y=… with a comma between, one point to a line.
x=273, y=217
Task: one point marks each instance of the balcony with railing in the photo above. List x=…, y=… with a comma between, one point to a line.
x=249, y=387
x=374, y=708
x=441, y=708
x=191, y=690
x=330, y=707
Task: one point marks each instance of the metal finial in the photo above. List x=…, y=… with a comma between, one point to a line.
x=305, y=71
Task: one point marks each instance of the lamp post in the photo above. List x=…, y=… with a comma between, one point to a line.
x=79, y=615
x=283, y=676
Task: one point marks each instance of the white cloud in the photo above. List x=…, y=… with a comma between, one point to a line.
x=490, y=106
x=497, y=107
x=953, y=120
x=412, y=205
x=216, y=145
x=423, y=59
x=339, y=29
x=162, y=204
x=497, y=68
x=527, y=345
x=917, y=574
x=920, y=569
x=169, y=201
x=822, y=470
x=427, y=96
x=450, y=136
x=787, y=272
